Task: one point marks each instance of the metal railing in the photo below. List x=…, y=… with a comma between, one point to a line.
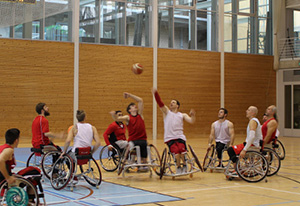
x=289, y=48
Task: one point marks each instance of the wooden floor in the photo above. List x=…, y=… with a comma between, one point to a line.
x=213, y=189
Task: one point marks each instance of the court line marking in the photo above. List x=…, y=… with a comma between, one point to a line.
x=203, y=189
x=267, y=188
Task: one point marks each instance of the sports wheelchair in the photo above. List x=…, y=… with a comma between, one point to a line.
x=110, y=159
x=279, y=148
x=44, y=158
x=168, y=164
x=211, y=160
x=26, y=190
x=132, y=160
x=257, y=164
x=65, y=171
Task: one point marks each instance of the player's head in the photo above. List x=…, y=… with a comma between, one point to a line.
x=174, y=104
x=265, y=117
x=251, y=111
x=11, y=136
x=222, y=113
x=119, y=113
x=42, y=108
x=131, y=108
x=80, y=115
x=271, y=111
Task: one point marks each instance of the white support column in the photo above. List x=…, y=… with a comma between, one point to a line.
x=75, y=40
x=221, y=50
x=154, y=45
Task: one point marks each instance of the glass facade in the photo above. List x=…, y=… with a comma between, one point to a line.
x=182, y=24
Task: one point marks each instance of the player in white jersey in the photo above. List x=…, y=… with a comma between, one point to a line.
x=173, y=129
x=83, y=135
x=222, y=132
x=253, y=136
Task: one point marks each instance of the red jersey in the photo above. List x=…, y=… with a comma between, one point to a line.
x=114, y=132
x=264, y=130
x=40, y=126
x=136, y=128
x=10, y=164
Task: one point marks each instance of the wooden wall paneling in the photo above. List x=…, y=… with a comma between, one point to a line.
x=249, y=80
x=32, y=72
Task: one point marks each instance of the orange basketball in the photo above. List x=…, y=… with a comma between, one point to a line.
x=137, y=68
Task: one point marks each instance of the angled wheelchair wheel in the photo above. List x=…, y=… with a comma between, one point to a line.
x=48, y=161
x=109, y=159
x=22, y=193
x=273, y=159
x=91, y=172
x=279, y=149
x=208, y=157
x=163, y=163
x=253, y=167
x=34, y=160
x=196, y=158
x=155, y=159
x=62, y=172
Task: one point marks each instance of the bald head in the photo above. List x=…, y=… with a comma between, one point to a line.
x=251, y=112
x=271, y=111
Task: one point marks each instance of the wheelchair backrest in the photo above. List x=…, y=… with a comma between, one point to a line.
x=83, y=155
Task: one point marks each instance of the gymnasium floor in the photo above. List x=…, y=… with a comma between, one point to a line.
x=203, y=189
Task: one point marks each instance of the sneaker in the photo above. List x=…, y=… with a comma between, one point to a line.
x=184, y=169
x=221, y=165
x=178, y=170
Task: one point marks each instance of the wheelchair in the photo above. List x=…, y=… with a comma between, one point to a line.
x=132, y=160
x=110, y=159
x=16, y=194
x=65, y=170
x=211, y=160
x=168, y=164
x=44, y=158
x=279, y=148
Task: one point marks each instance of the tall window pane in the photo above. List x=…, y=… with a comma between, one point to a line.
x=263, y=8
x=243, y=35
x=182, y=35
x=228, y=33
x=165, y=27
x=89, y=22
x=112, y=22
x=287, y=107
x=206, y=30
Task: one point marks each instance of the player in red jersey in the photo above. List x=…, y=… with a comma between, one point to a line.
x=40, y=127
x=269, y=127
x=115, y=134
x=135, y=125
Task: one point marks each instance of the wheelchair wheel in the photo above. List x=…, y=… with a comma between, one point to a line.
x=273, y=161
x=91, y=172
x=195, y=158
x=253, y=167
x=155, y=159
x=208, y=157
x=280, y=150
x=163, y=163
x=13, y=197
x=109, y=160
x=62, y=172
x=48, y=161
x=34, y=160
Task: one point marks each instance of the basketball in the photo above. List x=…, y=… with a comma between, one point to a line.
x=137, y=68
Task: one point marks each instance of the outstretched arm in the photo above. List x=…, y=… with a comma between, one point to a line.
x=190, y=119
x=161, y=105
x=69, y=139
x=253, y=126
x=119, y=118
x=138, y=99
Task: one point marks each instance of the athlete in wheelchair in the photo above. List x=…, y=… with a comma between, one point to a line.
x=176, y=161
x=116, y=144
x=223, y=132
x=23, y=188
x=65, y=169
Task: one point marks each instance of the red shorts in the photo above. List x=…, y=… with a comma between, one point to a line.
x=238, y=148
x=177, y=148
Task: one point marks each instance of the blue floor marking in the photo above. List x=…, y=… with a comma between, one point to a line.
x=109, y=194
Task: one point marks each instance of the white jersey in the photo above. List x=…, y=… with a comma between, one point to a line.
x=173, y=124
x=84, y=136
x=258, y=135
x=222, y=131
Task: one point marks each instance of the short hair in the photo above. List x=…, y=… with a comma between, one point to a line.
x=225, y=110
x=11, y=135
x=39, y=107
x=128, y=107
x=177, y=102
x=118, y=111
x=80, y=115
